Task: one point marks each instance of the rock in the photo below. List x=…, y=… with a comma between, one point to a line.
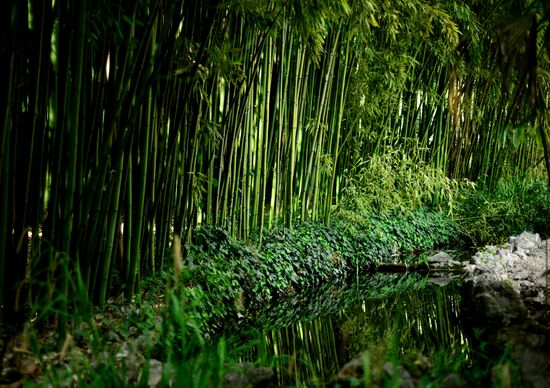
x=443, y=260
x=530, y=352
x=440, y=257
x=405, y=378
x=491, y=304
x=234, y=379
x=132, y=359
x=353, y=368
x=418, y=365
x=525, y=242
x=155, y=372
x=261, y=376
x=518, y=263
x=508, y=259
x=441, y=281
x=414, y=367
x=499, y=287
x=454, y=380
x=247, y=375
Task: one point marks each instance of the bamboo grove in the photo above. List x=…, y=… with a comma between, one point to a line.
x=126, y=122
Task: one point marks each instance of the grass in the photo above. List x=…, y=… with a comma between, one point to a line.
x=156, y=343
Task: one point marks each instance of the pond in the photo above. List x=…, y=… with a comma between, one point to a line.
x=391, y=318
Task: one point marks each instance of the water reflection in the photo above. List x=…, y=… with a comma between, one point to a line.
x=308, y=337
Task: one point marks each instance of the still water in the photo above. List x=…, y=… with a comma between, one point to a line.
x=307, y=337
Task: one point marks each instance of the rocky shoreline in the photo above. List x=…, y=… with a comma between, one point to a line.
x=520, y=263
x=505, y=301
x=504, y=310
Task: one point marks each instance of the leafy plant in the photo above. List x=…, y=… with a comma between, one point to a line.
x=392, y=182
x=513, y=206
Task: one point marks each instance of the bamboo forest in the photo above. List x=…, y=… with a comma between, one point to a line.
x=273, y=193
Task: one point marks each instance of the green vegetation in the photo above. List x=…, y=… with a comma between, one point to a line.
x=229, y=275
x=289, y=144
x=224, y=272
x=490, y=216
x=397, y=182
x=135, y=122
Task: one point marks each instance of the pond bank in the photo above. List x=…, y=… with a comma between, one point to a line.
x=138, y=336
x=505, y=301
x=504, y=311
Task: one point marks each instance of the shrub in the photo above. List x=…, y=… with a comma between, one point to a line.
x=489, y=216
x=393, y=183
x=224, y=276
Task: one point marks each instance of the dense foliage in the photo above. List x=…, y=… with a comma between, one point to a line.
x=289, y=143
x=124, y=124
x=490, y=216
x=229, y=276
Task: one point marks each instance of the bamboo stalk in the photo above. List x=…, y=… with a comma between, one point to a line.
x=111, y=232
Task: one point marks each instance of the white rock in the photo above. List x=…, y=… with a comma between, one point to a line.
x=155, y=372
x=526, y=241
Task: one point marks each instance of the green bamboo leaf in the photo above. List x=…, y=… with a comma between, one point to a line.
x=518, y=136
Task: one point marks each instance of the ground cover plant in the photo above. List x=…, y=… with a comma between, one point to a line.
x=306, y=256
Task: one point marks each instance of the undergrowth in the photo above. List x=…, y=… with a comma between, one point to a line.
x=393, y=208
x=395, y=182
x=486, y=216
x=232, y=276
